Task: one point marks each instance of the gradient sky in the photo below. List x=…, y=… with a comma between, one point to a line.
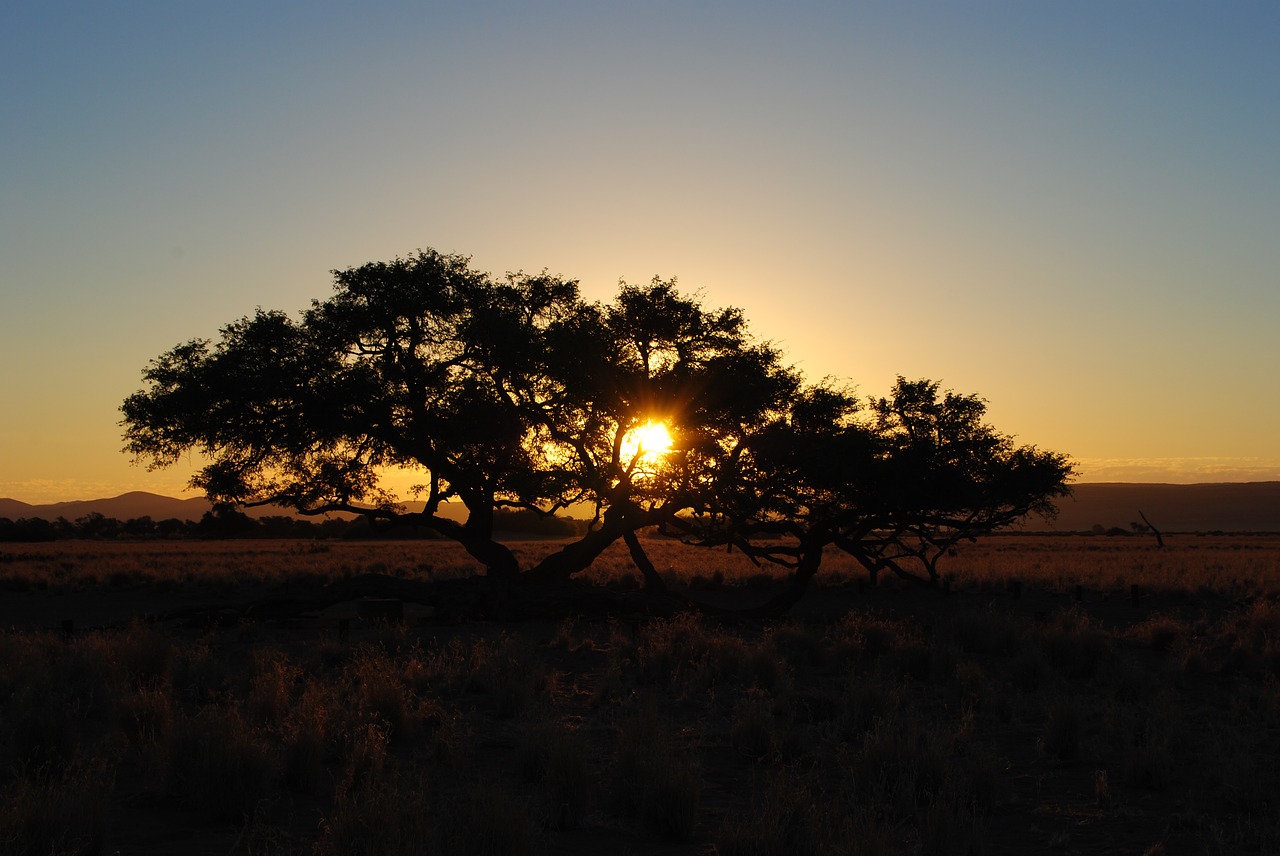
x=1070, y=208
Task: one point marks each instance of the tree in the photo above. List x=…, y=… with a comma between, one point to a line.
x=896, y=484
x=97, y=525
x=224, y=521
x=517, y=395
x=500, y=394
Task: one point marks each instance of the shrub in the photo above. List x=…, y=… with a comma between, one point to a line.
x=392, y=818
x=223, y=766
x=785, y=818
x=753, y=731
x=1074, y=646
x=654, y=780
x=1061, y=737
x=57, y=810
x=1160, y=632
x=555, y=759
x=309, y=739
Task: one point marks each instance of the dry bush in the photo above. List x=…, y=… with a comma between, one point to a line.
x=789, y=815
x=376, y=690
x=146, y=714
x=222, y=764
x=57, y=696
x=1030, y=670
x=310, y=739
x=802, y=648
x=390, y=818
x=1253, y=634
x=505, y=672
x=990, y=632
x=685, y=654
x=57, y=809
x=1062, y=730
x=272, y=685
x=900, y=766
x=866, y=702
x=365, y=758
x=864, y=639
x=1160, y=632
x=655, y=779
x=1143, y=741
x=1075, y=646
x=481, y=820
x=754, y=730
x=201, y=674
x=555, y=759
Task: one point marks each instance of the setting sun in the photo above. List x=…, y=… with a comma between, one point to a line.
x=646, y=444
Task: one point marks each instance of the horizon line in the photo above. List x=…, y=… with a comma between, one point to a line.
x=1083, y=482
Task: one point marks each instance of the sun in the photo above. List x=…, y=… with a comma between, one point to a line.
x=645, y=445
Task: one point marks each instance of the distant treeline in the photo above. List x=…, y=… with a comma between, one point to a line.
x=230, y=523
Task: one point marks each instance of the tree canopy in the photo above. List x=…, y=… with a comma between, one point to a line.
x=517, y=393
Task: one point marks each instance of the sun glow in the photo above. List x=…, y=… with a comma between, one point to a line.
x=644, y=446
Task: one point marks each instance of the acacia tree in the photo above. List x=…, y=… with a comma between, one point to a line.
x=516, y=393
x=512, y=393
x=896, y=483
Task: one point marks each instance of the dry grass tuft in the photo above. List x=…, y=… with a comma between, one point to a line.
x=655, y=780
x=555, y=760
x=1061, y=737
x=57, y=810
x=223, y=765
x=886, y=720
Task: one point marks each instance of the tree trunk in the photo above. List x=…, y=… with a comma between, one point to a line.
x=810, y=561
x=572, y=558
x=1154, y=530
x=619, y=521
x=499, y=562
x=652, y=581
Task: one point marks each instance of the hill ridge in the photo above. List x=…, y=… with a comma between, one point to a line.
x=1200, y=507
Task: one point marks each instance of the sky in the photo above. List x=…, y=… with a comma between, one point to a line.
x=1068, y=208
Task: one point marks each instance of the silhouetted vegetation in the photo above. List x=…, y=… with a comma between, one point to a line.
x=227, y=522
x=516, y=394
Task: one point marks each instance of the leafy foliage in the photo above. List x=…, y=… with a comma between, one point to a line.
x=516, y=393
x=895, y=484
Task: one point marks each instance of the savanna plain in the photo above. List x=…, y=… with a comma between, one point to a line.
x=1055, y=694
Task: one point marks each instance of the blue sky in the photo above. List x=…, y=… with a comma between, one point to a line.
x=1070, y=208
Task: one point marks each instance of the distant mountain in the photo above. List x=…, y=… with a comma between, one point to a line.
x=141, y=504
x=1227, y=507
x=1235, y=507
x=124, y=507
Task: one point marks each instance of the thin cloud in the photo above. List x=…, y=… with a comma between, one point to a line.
x=1179, y=470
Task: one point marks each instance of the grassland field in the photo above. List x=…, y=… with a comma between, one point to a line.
x=1058, y=694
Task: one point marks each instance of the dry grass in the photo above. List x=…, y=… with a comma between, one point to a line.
x=891, y=720
x=1237, y=565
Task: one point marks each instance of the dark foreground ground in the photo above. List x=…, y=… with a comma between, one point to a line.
x=1014, y=714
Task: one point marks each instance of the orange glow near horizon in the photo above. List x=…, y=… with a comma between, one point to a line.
x=1003, y=203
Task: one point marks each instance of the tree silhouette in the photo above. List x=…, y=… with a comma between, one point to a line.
x=517, y=394
x=896, y=484
x=514, y=394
